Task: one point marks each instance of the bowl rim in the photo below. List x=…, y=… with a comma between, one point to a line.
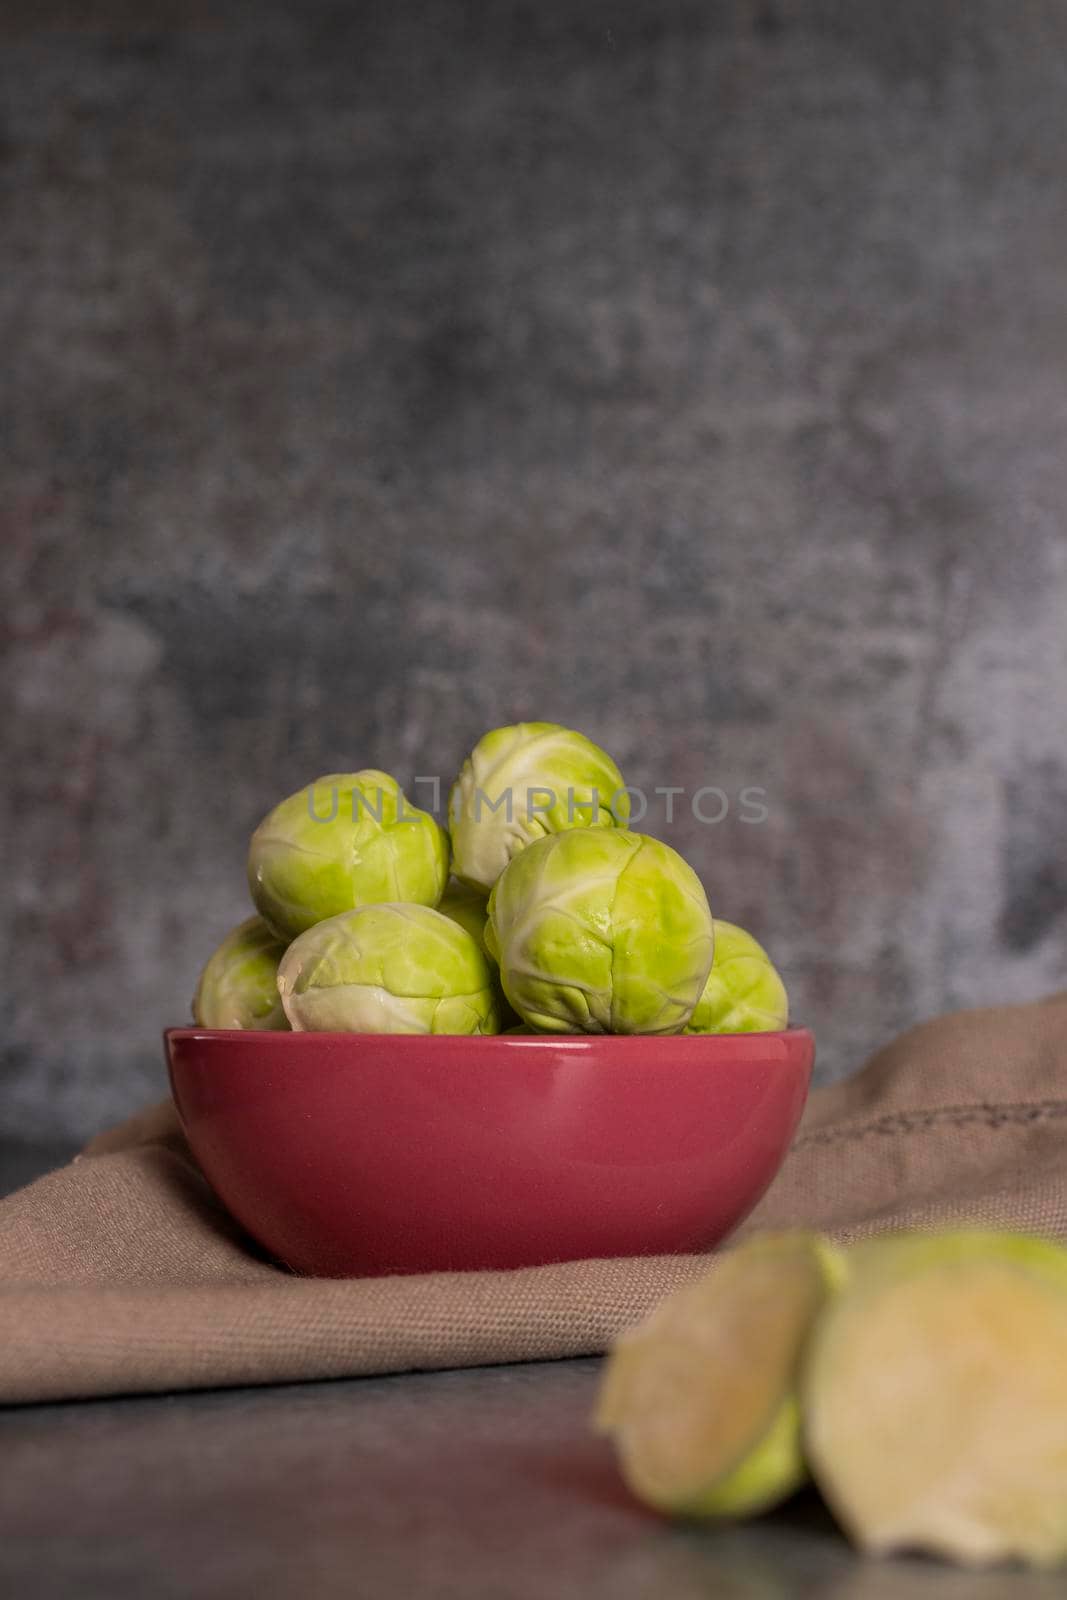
x=277, y=1038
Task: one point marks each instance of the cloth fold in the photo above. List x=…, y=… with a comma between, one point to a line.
x=121, y=1273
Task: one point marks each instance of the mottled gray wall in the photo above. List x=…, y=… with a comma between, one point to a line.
x=376, y=373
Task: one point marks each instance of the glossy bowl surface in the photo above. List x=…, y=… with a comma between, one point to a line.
x=351, y=1154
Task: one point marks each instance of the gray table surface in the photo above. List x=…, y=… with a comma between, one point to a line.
x=485, y=1482
x=475, y=1483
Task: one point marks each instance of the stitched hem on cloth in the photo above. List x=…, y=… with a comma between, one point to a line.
x=984, y=1113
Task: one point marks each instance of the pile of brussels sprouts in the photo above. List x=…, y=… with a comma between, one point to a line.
x=557, y=919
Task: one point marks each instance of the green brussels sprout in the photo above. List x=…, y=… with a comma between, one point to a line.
x=600, y=930
x=388, y=969
x=239, y=986
x=744, y=993
x=525, y=781
x=701, y=1397
x=466, y=906
x=347, y=840
x=934, y=1397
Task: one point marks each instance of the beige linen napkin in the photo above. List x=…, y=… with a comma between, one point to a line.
x=121, y=1273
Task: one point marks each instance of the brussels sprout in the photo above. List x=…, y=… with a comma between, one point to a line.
x=934, y=1396
x=701, y=1397
x=350, y=839
x=388, y=969
x=744, y=993
x=599, y=930
x=239, y=986
x=465, y=906
x=522, y=782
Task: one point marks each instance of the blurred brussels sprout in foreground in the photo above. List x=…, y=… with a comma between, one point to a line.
x=347, y=840
x=600, y=930
x=701, y=1397
x=744, y=993
x=522, y=782
x=388, y=969
x=239, y=986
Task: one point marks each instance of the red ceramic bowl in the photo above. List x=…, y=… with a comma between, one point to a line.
x=350, y=1154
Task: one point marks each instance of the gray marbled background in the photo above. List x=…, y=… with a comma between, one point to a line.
x=376, y=373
